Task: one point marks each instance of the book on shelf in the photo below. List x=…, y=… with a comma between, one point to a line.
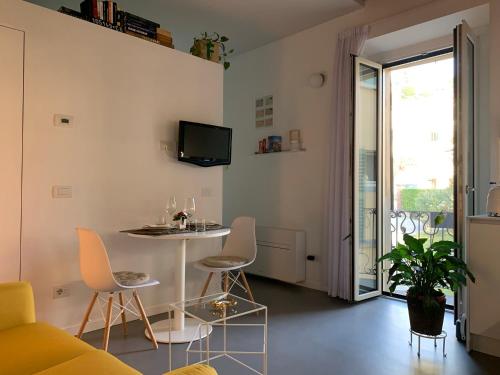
x=70, y=12
x=129, y=17
x=142, y=37
x=136, y=30
x=164, y=37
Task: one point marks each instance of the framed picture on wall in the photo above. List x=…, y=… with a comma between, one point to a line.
x=264, y=111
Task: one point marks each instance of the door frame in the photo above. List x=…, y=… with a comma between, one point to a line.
x=388, y=191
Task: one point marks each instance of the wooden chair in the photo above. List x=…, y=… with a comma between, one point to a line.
x=97, y=274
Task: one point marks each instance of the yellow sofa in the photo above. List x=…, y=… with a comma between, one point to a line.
x=30, y=347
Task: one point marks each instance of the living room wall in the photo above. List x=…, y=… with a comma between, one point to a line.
x=289, y=190
x=126, y=96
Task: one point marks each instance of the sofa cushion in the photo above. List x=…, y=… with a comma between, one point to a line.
x=129, y=278
x=17, y=306
x=222, y=261
x=94, y=362
x=193, y=370
x=31, y=348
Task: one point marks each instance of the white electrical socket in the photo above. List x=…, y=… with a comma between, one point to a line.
x=60, y=292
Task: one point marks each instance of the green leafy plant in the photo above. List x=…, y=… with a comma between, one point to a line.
x=181, y=215
x=209, y=45
x=426, y=270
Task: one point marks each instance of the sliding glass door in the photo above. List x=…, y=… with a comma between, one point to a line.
x=366, y=179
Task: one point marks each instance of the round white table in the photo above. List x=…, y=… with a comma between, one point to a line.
x=183, y=330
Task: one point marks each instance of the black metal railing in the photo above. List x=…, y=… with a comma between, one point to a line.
x=420, y=224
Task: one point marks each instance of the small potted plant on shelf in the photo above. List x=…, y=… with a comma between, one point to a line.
x=212, y=47
x=425, y=270
x=182, y=218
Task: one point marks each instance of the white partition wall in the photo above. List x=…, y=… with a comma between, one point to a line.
x=126, y=97
x=11, y=124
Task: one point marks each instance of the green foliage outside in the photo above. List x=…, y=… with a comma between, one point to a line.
x=435, y=200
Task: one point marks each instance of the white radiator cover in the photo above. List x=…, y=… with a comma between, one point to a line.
x=281, y=254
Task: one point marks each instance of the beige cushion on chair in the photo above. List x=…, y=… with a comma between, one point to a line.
x=224, y=261
x=129, y=278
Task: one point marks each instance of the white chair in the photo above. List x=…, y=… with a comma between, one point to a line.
x=239, y=251
x=97, y=274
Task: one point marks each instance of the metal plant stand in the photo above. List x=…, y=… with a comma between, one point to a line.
x=441, y=336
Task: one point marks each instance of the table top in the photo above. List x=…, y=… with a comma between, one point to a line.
x=217, y=307
x=181, y=235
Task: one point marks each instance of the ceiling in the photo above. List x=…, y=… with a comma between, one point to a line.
x=248, y=24
x=440, y=27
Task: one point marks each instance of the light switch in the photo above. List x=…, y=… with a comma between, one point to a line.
x=62, y=191
x=64, y=121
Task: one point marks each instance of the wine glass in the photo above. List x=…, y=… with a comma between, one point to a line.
x=171, y=206
x=189, y=206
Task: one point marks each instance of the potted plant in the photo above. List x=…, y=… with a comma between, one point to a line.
x=425, y=270
x=212, y=47
x=182, y=218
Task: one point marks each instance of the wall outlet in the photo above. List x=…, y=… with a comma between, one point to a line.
x=60, y=292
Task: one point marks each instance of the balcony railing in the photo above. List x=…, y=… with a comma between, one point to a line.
x=420, y=224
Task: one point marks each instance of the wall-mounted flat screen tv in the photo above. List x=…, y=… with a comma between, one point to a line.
x=204, y=145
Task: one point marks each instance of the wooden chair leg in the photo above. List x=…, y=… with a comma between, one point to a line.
x=107, y=327
x=207, y=283
x=124, y=318
x=145, y=319
x=226, y=282
x=87, y=315
x=247, y=287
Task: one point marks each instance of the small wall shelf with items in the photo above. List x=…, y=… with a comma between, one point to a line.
x=280, y=152
x=273, y=144
x=107, y=14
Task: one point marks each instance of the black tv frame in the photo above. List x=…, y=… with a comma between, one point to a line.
x=202, y=162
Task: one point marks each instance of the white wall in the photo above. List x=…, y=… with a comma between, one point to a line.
x=289, y=190
x=126, y=96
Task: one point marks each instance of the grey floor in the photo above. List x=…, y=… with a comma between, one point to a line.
x=310, y=333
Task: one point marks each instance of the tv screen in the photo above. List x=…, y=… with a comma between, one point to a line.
x=204, y=145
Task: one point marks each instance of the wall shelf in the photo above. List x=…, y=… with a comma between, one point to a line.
x=281, y=152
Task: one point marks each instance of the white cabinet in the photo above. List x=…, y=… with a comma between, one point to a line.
x=483, y=253
x=11, y=124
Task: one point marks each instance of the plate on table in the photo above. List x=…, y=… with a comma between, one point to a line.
x=167, y=226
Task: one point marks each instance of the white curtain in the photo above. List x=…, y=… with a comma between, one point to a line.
x=340, y=277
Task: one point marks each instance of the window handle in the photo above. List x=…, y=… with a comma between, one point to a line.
x=469, y=189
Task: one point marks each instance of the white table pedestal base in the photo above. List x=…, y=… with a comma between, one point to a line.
x=191, y=331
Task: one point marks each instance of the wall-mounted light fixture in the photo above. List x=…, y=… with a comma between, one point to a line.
x=317, y=80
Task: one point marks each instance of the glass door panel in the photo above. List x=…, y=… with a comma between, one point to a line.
x=366, y=181
x=465, y=133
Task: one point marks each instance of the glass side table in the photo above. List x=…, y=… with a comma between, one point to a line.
x=217, y=313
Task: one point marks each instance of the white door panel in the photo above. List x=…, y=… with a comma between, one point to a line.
x=11, y=124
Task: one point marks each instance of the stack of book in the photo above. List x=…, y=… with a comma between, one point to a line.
x=107, y=14
x=164, y=37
